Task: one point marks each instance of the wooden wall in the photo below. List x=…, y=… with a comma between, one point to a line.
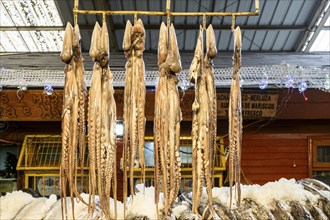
x=271, y=157
x=279, y=149
x=119, y=171
x=270, y=147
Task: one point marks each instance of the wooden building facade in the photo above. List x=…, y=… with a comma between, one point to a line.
x=282, y=143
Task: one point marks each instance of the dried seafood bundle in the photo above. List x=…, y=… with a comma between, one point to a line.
x=167, y=119
x=134, y=101
x=101, y=123
x=235, y=120
x=73, y=117
x=204, y=118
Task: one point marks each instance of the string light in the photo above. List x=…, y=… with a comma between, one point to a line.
x=263, y=83
x=184, y=84
x=317, y=78
x=302, y=86
x=288, y=81
x=327, y=82
x=305, y=97
x=22, y=86
x=48, y=89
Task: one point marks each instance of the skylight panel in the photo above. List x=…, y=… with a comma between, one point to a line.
x=30, y=13
x=20, y=44
x=322, y=42
x=31, y=43
x=327, y=23
x=5, y=17
x=14, y=15
x=6, y=42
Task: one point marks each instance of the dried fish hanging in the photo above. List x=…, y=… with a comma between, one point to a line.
x=73, y=118
x=167, y=120
x=134, y=101
x=102, y=122
x=235, y=121
x=204, y=118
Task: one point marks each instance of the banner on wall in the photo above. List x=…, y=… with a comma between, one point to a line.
x=34, y=105
x=255, y=104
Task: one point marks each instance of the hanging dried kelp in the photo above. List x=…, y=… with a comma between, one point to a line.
x=204, y=118
x=102, y=122
x=235, y=120
x=134, y=101
x=167, y=120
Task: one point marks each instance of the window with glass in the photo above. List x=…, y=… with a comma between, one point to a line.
x=320, y=159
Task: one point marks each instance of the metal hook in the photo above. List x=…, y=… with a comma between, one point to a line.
x=135, y=18
x=168, y=20
x=233, y=23
x=103, y=18
x=75, y=14
x=204, y=22
x=168, y=12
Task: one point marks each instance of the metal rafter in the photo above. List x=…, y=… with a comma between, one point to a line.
x=318, y=30
x=282, y=22
x=156, y=27
x=212, y=8
x=311, y=25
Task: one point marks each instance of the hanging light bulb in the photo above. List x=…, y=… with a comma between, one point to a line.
x=263, y=82
x=184, y=84
x=288, y=81
x=302, y=86
x=48, y=89
x=241, y=83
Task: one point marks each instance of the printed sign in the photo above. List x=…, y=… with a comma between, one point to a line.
x=30, y=105
x=254, y=104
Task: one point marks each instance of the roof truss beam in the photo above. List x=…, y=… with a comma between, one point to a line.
x=311, y=26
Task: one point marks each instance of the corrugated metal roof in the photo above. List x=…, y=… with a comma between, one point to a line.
x=282, y=26
x=279, y=26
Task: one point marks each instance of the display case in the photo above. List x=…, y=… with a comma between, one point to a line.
x=39, y=160
x=186, y=163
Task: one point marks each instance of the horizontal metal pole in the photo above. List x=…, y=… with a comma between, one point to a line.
x=101, y=12
x=222, y=14
x=160, y=13
x=156, y=27
x=223, y=27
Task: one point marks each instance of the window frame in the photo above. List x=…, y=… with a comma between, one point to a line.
x=313, y=144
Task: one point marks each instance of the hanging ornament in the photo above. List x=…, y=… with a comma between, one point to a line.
x=241, y=83
x=302, y=86
x=184, y=84
x=263, y=82
x=288, y=81
x=327, y=82
x=48, y=89
x=22, y=86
